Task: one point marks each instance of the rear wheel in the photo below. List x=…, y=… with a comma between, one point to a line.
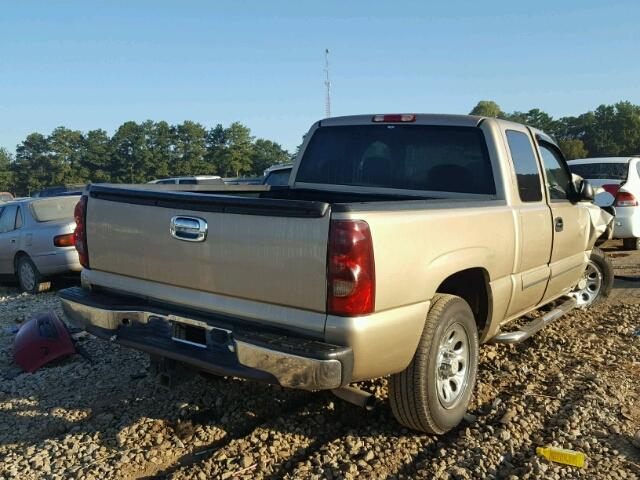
x=29, y=277
x=432, y=394
x=596, y=282
x=631, y=243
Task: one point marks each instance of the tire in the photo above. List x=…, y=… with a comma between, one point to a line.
x=599, y=280
x=29, y=277
x=414, y=393
x=631, y=243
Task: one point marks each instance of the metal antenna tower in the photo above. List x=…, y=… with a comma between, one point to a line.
x=327, y=84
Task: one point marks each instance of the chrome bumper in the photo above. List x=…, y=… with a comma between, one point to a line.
x=291, y=361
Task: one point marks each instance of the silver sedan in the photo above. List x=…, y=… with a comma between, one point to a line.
x=36, y=240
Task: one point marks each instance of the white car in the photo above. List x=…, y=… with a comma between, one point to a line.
x=619, y=178
x=195, y=180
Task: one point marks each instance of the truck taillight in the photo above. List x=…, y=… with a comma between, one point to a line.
x=80, y=233
x=351, y=278
x=626, y=199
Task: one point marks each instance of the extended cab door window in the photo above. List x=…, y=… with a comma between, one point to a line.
x=525, y=165
x=558, y=176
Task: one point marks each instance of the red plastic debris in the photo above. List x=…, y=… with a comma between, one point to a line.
x=42, y=339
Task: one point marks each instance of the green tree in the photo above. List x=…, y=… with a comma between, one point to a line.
x=190, y=149
x=131, y=157
x=161, y=141
x=267, y=153
x=487, y=108
x=538, y=119
x=216, y=144
x=6, y=171
x=610, y=130
x=235, y=159
x=572, y=148
x=33, y=169
x=96, y=157
x=65, y=154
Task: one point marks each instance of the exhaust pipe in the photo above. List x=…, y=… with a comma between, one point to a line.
x=356, y=396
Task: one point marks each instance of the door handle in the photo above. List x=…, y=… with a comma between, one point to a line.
x=559, y=224
x=13, y=240
x=189, y=229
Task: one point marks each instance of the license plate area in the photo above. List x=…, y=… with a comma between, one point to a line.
x=193, y=335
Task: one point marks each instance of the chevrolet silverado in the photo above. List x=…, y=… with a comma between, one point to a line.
x=400, y=243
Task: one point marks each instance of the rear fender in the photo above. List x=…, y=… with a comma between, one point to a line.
x=445, y=265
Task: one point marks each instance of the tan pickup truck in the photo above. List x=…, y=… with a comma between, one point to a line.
x=400, y=244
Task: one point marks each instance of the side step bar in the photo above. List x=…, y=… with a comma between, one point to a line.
x=536, y=325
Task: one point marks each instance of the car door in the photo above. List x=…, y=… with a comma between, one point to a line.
x=533, y=219
x=8, y=239
x=571, y=222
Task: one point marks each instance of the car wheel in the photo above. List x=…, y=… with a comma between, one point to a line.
x=631, y=243
x=432, y=394
x=596, y=282
x=29, y=277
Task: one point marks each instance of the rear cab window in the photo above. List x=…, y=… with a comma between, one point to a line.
x=52, y=209
x=403, y=157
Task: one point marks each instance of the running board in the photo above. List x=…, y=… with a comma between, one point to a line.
x=536, y=324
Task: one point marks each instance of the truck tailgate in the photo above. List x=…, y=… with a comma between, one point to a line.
x=266, y=250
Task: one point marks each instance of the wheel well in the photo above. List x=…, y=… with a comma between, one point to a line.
x=473, y=286
x=19, y=255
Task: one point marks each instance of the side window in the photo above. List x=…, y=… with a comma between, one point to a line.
x=558, y=177
x=188, y=181
x=525, y=166
x=8, y=219
x=18, y=218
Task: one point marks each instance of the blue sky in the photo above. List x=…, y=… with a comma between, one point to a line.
x=88, y=65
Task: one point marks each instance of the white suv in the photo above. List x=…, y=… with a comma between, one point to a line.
x=619, y=177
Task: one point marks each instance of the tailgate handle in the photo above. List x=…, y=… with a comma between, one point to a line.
x=189, y=229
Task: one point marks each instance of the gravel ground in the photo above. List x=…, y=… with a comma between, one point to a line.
x=575, y=385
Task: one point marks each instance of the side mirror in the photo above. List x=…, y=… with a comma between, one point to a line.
x=586, y=191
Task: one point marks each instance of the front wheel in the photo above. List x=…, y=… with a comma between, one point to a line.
x=432, y=394
x=596, y=282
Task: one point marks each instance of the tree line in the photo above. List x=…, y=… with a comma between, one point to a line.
x=135, y=153
x=607, y=131
x=139, y=152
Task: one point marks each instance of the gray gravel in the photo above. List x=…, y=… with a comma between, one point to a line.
x=575, y=386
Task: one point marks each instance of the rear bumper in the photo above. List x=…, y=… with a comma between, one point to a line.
x=229, y=346
x=66, y=260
